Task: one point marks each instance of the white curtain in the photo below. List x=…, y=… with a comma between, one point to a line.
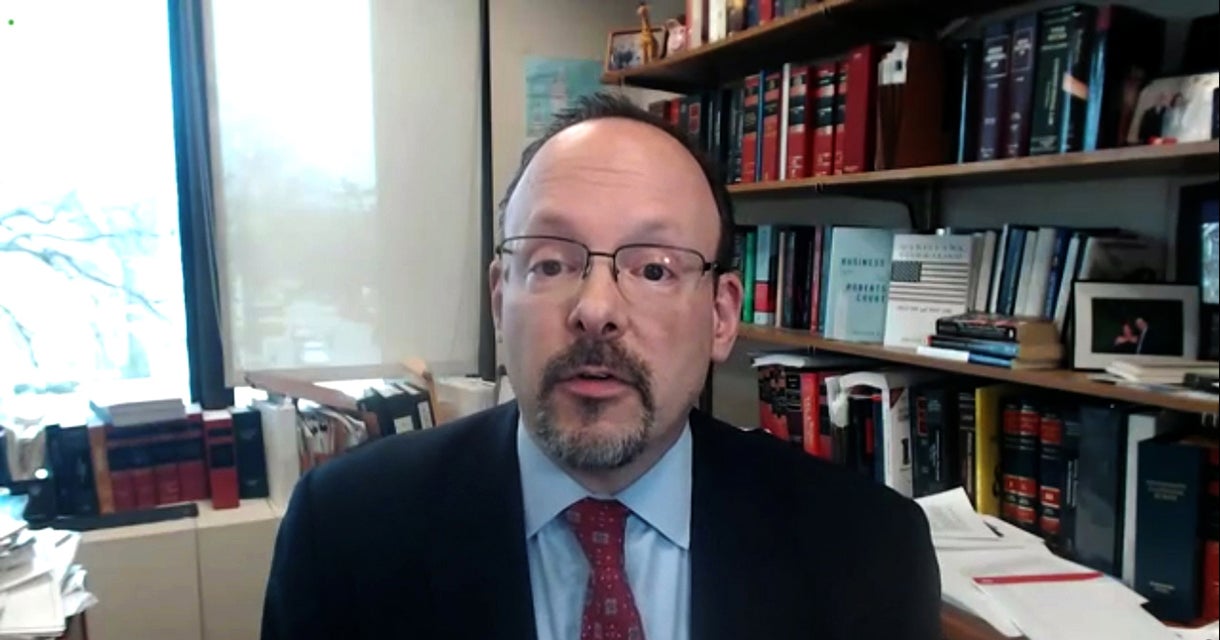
x=346, y=160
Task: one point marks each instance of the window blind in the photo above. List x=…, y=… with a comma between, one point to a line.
x=346, y=145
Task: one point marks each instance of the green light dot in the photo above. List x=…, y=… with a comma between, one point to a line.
x=10, y=22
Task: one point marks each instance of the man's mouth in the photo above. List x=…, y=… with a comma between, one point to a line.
x=596, y=382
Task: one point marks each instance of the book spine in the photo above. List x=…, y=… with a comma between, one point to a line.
x=966, y=445
x=1052, y=72
x=823, y=146
x=797, y=161
x=967, y=81
x=997, y=45
x=750, y=128
x=764, y=279
x=221, y=459
x=1167, y=559
x=1020, y=423
x=840, y=116
x=773, y=85
x=861, y=110
x=1052, y=475
x=1075, y=87
x=1021, y=85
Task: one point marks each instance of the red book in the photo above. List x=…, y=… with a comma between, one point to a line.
x=221, y=458
x=123, y=490
x=840, y=116
x=800, y=112
x=773, y=89
x=861, y=109
x=750, y=128
x=815, y=281
x=822, y=146
x=1211, y=579
x=192, y=472
x=809, y=412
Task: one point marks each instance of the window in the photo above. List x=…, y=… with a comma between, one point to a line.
x=346, y=146
x=90, y=257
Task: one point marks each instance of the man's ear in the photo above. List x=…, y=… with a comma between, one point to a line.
x=495, y=282
x=726, y=315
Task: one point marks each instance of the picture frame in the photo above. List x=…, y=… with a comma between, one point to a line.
x=624, y=51
x=1198, y=257
x=1145, y=323
x=1174, y=110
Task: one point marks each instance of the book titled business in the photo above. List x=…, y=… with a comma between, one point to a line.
x=930, y=278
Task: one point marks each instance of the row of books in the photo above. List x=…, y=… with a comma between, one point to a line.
x=1062, y=79
x=708, y=21
x=93, y=468
x=875, y=284
x=1122, y=489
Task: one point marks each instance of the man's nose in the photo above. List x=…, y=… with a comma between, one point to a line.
x=600, y=309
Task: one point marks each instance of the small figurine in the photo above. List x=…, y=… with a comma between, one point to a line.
x=648, y=42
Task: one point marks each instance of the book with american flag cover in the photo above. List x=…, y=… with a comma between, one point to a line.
x=930, y=278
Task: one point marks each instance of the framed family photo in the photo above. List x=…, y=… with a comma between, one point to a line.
x=1135, y=322
x=624, y=49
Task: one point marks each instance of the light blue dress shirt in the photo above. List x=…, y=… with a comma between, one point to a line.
x=657, y=543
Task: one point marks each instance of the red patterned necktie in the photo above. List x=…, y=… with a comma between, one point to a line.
x=610, y=612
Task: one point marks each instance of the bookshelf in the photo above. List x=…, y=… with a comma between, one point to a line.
x=823, y=28
x=1124, y=162
x=826, y=30
x=1059, y=380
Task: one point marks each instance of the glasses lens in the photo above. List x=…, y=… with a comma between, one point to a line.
x=656, y=269
x=545, y=262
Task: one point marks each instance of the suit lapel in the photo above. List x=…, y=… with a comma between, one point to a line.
x=481, y=567
x=744, y=561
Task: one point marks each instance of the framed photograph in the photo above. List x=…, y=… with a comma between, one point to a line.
x=1198, y=258
x=1136, y=322
x=624, y=50
x=1175, y=109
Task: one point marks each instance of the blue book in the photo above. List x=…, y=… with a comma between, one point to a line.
x=857, y=283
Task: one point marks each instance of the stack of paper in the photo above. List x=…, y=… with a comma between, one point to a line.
x=40, y=585
x=1010, y=579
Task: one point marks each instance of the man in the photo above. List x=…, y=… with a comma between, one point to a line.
x=600, y=504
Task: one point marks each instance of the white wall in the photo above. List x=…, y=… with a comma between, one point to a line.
x=554, y=28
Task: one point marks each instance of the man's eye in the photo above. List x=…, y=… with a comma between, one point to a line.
x=549, y=268
x=655, y=272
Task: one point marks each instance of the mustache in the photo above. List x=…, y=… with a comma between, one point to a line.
x=611, y=356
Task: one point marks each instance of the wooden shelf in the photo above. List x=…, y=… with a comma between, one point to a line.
x=827, y=28
x=1148, y=160
x=1060, y=380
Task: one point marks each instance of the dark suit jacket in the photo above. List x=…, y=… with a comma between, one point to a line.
x=421, y=536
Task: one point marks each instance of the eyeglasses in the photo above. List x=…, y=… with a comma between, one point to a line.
x=555, y=265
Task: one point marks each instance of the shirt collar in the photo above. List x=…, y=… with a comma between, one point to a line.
x=660, y=497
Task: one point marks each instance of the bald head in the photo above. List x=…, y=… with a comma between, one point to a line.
x=604, y=136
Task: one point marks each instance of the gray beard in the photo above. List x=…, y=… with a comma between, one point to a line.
x=575, y=448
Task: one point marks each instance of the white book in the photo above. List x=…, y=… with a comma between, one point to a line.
x=986, y=266
x=784, y=91
x=894, y=385
x=717, y=19
x=695, y=27
x=1027, y=271
x=929, y=280
x=1040, y=273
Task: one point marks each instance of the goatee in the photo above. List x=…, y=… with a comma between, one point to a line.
x=578, y=445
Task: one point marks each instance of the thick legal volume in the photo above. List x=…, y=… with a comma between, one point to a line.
x=799, y=114
x=221, y=459
x=1021, y=84
x=1061, y=91
x=751, y=128
x=772, y=90
x=997, y=45
x=824, y=105
x=861, y=109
